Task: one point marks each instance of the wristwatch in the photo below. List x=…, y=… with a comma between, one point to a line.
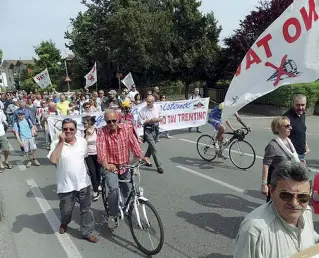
x=264, y=182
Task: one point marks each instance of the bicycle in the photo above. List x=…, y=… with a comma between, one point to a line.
x=138, y=219
x=206, y=148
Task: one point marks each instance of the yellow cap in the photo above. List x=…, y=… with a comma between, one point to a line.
x=221, y=106
x=126, y=103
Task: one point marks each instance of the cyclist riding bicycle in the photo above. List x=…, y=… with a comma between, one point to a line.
x=214, y=118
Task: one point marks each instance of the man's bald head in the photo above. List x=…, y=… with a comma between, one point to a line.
x=150, y=101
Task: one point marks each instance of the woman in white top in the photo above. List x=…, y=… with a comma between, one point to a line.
x=90, y=134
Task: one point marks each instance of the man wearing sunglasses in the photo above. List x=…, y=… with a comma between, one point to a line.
x=284, y=226
x=68, y=153
x=115, y=141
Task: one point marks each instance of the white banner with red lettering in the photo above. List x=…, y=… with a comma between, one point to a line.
x=287, y=52
x=43, y=79
x=176, y=115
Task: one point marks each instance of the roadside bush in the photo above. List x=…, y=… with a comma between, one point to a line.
x=283, y=96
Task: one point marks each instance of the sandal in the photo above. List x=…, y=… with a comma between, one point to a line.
x=8, y=165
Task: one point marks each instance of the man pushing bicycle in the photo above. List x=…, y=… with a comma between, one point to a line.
x=214, y=118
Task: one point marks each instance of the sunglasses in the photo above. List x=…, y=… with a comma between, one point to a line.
x=287, y=126
x=66, y=129
x=67, y=120
x=288, y=196
x=111, y=121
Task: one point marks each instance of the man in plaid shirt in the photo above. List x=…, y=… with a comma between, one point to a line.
x=115, y=141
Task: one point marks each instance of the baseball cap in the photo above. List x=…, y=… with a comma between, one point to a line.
x=315, y=196
x=20, y=112
x=112, y=92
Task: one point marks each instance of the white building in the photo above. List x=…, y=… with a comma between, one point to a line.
x=10, y=71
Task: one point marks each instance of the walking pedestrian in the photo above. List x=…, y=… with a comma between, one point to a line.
x=73, y=182
x=149, y=117
x=90, y=134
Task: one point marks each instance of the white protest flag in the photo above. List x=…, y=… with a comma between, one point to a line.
x=43, y=79
x=128, y=81
x=91, y=77
x=287, y=52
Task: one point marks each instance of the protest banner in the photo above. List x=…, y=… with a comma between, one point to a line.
x=287, y=52
x=43, y=79
x=176, y=115
x=91, y=77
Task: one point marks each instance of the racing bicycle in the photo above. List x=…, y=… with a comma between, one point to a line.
x=241, y=152
x=142, y=216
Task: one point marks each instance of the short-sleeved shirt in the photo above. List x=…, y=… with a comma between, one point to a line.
x=25, y=131
x=71, y=172
x=215, y=114
x=63, y=107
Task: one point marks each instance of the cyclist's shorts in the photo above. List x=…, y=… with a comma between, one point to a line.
x=214, y=123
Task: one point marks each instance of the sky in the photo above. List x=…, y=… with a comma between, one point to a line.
x=24, y=24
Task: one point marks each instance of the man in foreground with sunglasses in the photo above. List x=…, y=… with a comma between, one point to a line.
x=73, y=182
x=115, y=141
x=284, y=226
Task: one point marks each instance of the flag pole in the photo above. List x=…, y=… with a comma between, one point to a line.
x=96, y=77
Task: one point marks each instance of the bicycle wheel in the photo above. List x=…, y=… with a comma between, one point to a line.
x=149, y=238
x=205, y=147
x=242, y=154
x=104, y=197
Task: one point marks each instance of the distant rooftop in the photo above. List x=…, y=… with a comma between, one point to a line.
x=16, y=62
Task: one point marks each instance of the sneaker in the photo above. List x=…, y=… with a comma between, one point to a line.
x=36, y=162
x=216, y=145
x=99, y=188
x=96, y=196
x=199, y=131
x=190, y=129
x=29, y=164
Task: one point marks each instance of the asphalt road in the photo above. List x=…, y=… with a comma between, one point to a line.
x=200, y=203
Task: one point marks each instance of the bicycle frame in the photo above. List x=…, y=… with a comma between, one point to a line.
x=137, y=195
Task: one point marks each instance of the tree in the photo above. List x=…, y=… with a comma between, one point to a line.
x=155, y=40
x=1, y=55
x=195, y=49
x=48, y=56
x=249, y=30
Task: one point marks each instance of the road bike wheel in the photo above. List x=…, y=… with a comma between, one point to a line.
x=242, y=154
x=205, y=147
x=104, y=197
x=152, y=228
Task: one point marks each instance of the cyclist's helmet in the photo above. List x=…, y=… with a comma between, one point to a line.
x=221, y=106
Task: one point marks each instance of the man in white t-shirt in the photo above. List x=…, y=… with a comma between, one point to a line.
x=132, y=93
x=195, y=95
x=73, y=182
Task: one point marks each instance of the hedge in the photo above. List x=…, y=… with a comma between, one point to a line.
x=283, y=96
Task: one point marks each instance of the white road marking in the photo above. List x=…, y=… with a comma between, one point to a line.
x=65, y=241
x=234, y=188
x=21, y=166
x=11, y=150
